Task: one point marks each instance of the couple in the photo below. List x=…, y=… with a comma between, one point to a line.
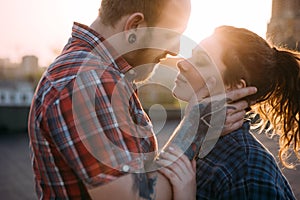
x=89, y=136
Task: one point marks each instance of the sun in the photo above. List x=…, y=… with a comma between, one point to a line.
x=207, y=15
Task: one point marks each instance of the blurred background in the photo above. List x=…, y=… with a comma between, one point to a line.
x=34, y=32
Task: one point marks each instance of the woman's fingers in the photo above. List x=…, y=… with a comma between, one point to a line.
x=174, y=171
x=168, y=157
x=171, y=175
x=174, y=157
x=178, y=171
x=184, y=160
x=181, y=173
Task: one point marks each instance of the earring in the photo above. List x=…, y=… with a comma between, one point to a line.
x=132, y=38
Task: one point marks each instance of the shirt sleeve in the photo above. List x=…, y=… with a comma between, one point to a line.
x=102, y=132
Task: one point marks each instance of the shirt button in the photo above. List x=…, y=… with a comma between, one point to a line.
x=125, y=168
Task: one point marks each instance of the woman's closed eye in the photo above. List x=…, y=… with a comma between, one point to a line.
x=201, y=59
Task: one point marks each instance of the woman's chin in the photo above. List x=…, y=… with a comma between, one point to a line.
x=179, y=95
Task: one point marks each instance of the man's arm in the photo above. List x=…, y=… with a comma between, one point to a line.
x=125, y=188
x=207, y=120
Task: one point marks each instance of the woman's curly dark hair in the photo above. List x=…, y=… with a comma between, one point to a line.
x=276, y=74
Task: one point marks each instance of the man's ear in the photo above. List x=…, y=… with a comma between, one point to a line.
x=134, y=21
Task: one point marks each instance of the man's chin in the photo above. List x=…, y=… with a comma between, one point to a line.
x=144, y=74
x=141, y=79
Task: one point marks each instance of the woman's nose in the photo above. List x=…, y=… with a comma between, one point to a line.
x=181, y=65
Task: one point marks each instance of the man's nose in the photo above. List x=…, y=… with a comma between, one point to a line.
x=172, y=53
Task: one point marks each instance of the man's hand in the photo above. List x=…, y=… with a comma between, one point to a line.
x=235, y=102
x=206, y=120
x=236, y=108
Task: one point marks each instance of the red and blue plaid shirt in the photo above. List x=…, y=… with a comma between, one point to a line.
x=86, y=124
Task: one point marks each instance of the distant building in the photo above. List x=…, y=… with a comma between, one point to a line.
x=284, y=26
x=19, y=71
x=9, y=70
x=4, y=62
x=29, y=64
x=15, y=93
x=15, y=100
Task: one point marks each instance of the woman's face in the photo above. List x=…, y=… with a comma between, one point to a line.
x=193, y=72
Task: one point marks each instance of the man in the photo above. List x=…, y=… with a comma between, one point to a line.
x=89, y=135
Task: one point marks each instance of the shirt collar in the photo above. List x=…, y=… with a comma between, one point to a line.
x=100, y=47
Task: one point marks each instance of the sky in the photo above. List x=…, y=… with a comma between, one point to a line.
x=42, y=27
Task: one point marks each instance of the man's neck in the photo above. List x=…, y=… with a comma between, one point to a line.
x=106, y=31
x=114, y=35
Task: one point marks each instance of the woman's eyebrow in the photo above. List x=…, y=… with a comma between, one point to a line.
x=201, y=53
x=194, y=50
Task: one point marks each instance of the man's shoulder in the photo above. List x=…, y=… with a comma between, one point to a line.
x=69, y=65
x=72, y=69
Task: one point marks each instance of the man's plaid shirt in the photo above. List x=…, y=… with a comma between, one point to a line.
x=86, y=124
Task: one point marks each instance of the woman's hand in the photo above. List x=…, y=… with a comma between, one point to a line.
x=180, y=171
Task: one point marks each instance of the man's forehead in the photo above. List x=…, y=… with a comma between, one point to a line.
x=175, y=15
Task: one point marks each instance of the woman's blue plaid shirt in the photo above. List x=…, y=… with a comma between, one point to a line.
x=240, y=167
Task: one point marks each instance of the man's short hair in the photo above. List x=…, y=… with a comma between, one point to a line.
x=113, y=10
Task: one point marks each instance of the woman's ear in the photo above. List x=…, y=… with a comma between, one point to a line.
x=242, y=84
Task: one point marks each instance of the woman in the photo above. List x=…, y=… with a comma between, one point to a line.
x=239, y=167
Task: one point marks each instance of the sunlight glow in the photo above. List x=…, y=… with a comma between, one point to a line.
x=42, y=28
x=208, y=14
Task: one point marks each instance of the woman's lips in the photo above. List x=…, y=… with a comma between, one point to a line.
x=180, y=78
